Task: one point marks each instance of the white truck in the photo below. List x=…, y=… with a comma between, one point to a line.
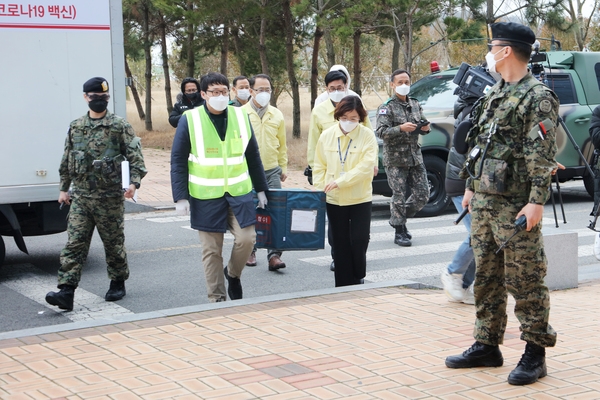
x=49, y=49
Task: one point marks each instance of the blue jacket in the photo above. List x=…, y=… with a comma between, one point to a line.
x=211, y=215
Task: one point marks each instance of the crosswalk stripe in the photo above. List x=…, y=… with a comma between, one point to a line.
x=34, y=283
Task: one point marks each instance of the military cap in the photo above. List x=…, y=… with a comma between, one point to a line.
x=95, y=85
x=513, y=32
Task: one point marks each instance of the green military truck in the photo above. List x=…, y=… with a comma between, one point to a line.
x=574, y=77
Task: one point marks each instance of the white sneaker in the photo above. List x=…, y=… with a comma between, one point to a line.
x=468, y=296
x=453, y=286
x=597, y=246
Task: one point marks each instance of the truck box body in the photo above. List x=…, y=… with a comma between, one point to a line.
x=49, y=51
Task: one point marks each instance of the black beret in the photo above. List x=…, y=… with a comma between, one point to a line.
x=334, y=76
x=95, y=85
x=513, y=32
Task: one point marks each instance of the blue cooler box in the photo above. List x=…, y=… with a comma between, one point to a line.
x=293, y=220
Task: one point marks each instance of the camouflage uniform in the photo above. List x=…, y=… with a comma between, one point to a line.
x=516, y=171
x=402, y=158
x=97, y=195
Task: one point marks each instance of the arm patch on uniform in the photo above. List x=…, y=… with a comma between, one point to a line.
x=545, y=106
x=383, y=111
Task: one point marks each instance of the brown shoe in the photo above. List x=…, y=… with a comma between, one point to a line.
x=275, y=263
x=251, y=260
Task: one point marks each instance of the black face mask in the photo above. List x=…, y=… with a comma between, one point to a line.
x=193, y=97
x=98, y=105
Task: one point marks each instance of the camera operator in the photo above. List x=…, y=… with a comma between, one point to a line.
x=509, y=171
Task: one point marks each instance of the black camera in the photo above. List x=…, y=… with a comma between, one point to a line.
x=474, y=80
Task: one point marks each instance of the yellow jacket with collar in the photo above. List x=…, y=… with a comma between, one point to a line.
x=321, y=118
x=354, y=187
x=270, y=135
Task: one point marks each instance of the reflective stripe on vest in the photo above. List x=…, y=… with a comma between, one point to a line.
x=215, y=166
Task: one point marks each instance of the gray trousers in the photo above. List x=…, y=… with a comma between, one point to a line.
x=274, y=182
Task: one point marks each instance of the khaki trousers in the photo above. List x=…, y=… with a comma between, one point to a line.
x=212, y=256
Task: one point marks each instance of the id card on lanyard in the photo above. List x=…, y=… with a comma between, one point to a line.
x=343, y=161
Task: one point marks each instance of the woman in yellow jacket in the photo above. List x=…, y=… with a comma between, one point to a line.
x=343, y=168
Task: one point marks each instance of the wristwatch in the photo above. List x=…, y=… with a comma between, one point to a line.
x=136, y=184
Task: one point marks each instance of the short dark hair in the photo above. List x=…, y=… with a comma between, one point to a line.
x=263, y=76
x=239, y=78
x=522, y=51
x=398, y=72
x=350, y=103
x=334, y=76
x=213, y=78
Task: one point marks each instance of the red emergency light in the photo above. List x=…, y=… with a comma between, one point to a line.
x=434, y=67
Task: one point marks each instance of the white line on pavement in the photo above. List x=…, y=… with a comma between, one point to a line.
x=34, y=283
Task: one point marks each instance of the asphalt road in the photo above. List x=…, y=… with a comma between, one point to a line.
x=166, y=269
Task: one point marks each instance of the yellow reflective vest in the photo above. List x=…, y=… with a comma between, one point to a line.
x=218, y=166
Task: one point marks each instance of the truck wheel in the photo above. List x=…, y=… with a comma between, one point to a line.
x=588, y=182
x=2, y=251
x=436, y=175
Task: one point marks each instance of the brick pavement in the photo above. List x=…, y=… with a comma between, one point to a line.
x=372, y=343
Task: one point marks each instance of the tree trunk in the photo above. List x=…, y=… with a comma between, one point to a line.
x=134, y=92
x=408, y=58
x=357, y=68
x=148, y=57
x=165, y=62
x=224, y=48
x=395, y=55
x=289, y=55
x=314, y=69
x=238, y=52
x=330, y=48
x=191, y=62
x=262, y=48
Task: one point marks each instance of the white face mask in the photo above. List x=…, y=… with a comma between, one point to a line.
x=243, y=94
x=348, y=126
x=491, y=61
x=263, y=99
x=337, y=96
x=403, y=89
x=218, y=103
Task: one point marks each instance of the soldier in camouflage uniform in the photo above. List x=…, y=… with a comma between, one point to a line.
x=96, y=145
x=399, y=124
x=514, y=130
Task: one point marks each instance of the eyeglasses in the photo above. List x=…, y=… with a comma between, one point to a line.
x=339, y=88
x=491, y=46
x=262, y=90
x=94, y=96
x=215, y=93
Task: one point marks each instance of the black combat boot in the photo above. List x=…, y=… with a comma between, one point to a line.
x=478, y=355
x=116, y=291
x=400, y=237
x=531, y=367
x=406, y=232
x=62, y=299
x=235, y=286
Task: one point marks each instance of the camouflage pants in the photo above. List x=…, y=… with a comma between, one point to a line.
x=402, y=179
x=519, y=269
x=105, y=214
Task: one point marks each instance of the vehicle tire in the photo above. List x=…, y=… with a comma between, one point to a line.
x=436, y=175
x=588, y=182
x=2, y=251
